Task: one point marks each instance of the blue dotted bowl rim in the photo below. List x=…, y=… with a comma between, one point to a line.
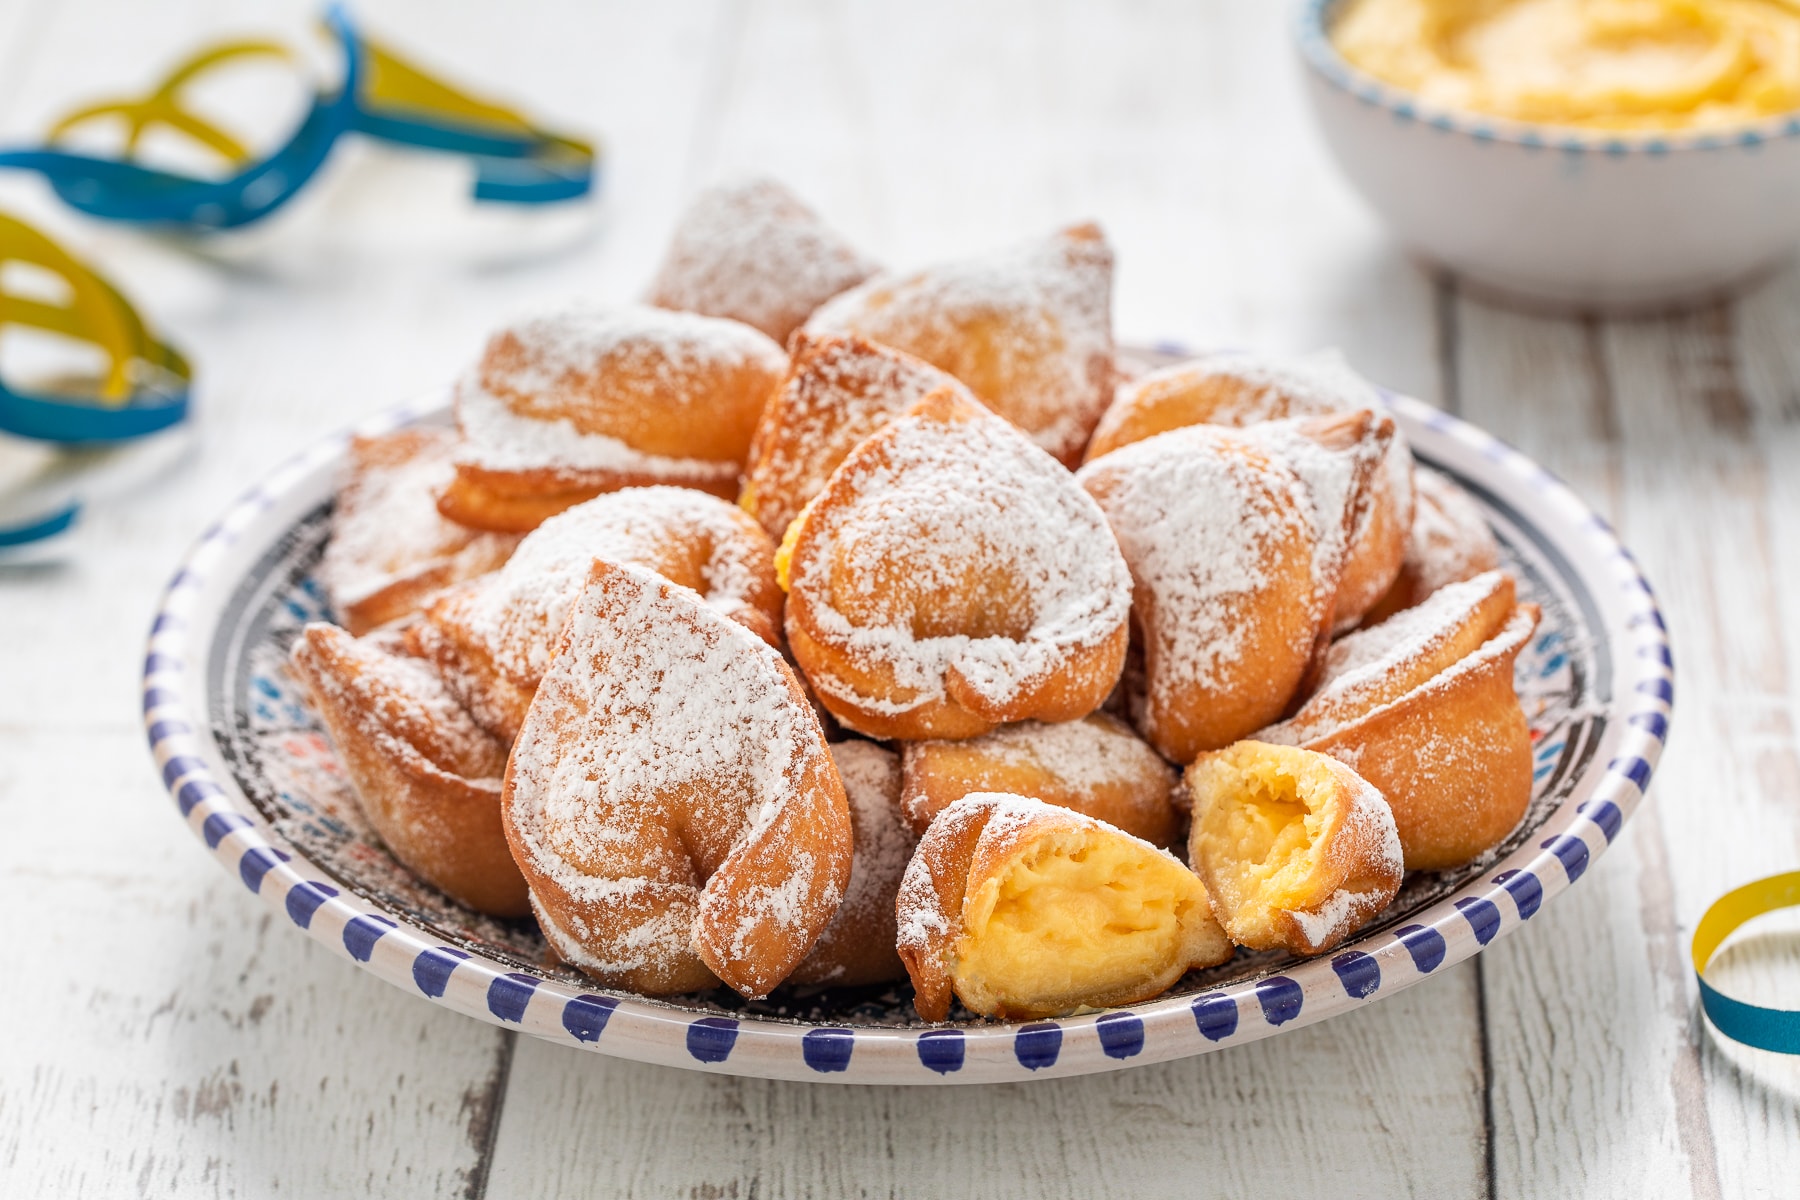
x=1312, y=35
x=1370, y=967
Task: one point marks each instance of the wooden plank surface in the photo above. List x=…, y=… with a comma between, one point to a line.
x=181, y=1043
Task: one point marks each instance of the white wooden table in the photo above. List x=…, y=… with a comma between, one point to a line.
x=161, y=1035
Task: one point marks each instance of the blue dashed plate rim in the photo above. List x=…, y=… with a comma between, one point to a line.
x=1364, y=970
x=1313, y=37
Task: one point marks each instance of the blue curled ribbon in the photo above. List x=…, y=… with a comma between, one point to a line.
x=1765, y=1028
x=381, y=96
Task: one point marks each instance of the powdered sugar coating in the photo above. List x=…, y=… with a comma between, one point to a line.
x=960, y=524
x=1028, y=328
x=752, y=251
x=1450, y=540
x=666, y=749
x=884, y=845
x=1085, y=754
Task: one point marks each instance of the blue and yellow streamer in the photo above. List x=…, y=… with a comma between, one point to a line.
x=380, y=96
x=1765, y=1028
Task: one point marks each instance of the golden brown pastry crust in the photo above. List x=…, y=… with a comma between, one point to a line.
x=950, y=578
x=671, y=800
x=427, y=778
x=857, y=948
x=493, y=637
x=839, y=390
x=752, y=251
x=1436, y=726
x=1096, y=765
x=968, y=852
x=1221, y=541
x=390, y=550
x=571, y=405
x=1449, y=542
x=1296, y=850
x=1244, y=390
x=1028, y=329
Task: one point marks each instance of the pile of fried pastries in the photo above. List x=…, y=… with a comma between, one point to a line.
x=818, y=624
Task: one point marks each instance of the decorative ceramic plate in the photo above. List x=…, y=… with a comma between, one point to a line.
x=256, y=780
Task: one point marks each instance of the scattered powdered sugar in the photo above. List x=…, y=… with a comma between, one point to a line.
x=752, y=251
x=884, y=843
x=662, y=733
x=967, y=513
x=497, y=438
x=1274, y=387
x=517, y=612
x=1450, y=539
x=1037, y=316
x=1194, y=519
x=1331, y=478
x=386, y=527
x=1093, y=752
x=1372, y=653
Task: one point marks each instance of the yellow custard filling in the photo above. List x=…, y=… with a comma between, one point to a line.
x=1634, y=65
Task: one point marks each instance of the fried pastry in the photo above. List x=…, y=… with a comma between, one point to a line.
x=564, y=407
x=1029, y=329
x=1423, y=707
x=950, y=578
x=1220, y=537
x=1449, y=542
x=1244, y=390
x=1096, y=766
x=426, y=776
x=1296, y=850
x=839, y=390
x=671, y=799
x=857, y=948
x=1023, y=909
x=390, y=550
x=493, y=637
x=753, y=252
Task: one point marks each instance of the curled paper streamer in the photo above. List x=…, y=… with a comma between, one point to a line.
x=1765, y=1028
x=380, y=96
x=141, y=391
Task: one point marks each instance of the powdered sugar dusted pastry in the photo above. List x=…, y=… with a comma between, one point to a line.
x=1241, y=389
x=566, y=406
x=1028, y=328
x=839, y=390
x=858, y=946
x=390, y=549
x=951, y=577
x=1096, y=765
x=1423, y=707
x=1221, y=541
x=1295, y=849
x=1023, y=909
x=753, y=252
x=427, y=777
x=1449, y=542
x=671, y=800
x=493, y=637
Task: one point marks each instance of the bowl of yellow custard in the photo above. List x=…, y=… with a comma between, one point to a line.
x=1606, y=155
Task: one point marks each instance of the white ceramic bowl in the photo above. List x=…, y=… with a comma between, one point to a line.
x=1565, y=218
x=254, y=778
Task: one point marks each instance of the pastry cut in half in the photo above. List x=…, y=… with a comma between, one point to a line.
x=1221, y=538
x=391, y=550
x=671, y=799
x=1096, y=765
x=1296, y=850
x=839, y=389
x=1423, y=707
x=753, y=251
x=1449, y=542
x=857, y=948
x=493, y=637
x=1022, y=909
x=1027, y=328
x=566, y=406
x=1241, y=389
x=426, y=777
x=952, y=577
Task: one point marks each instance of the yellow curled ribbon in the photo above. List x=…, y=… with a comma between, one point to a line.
x=1765, y=1028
